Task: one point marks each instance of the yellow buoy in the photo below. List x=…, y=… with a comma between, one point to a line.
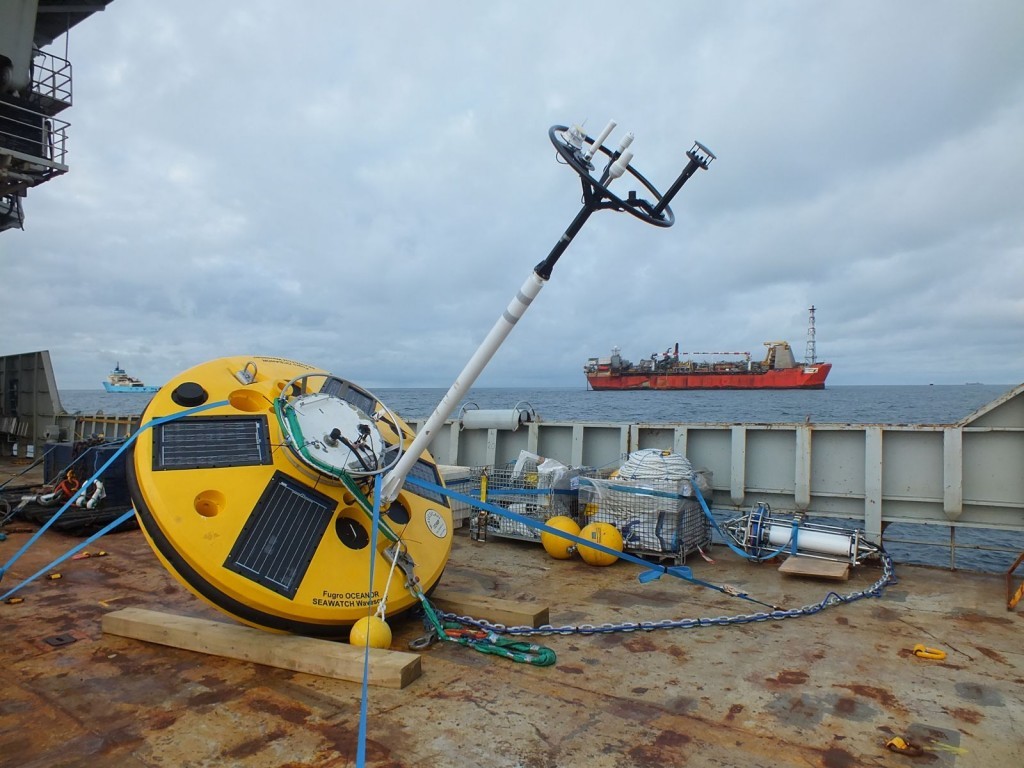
x=254, y=485
x=557, y=546
x=605, y=534
x=372, y=631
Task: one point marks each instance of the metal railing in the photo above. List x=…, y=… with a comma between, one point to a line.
x=33, y=142
x=36, y=144
x=84, y=427
x=51, y=81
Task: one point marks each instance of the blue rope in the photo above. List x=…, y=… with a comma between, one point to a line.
x=151, y=423
x=363, y=706
x=652, y=570
x=726, y=538
x=71, y=552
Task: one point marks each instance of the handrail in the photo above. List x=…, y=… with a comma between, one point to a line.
x=33, y=135
x=51, y=78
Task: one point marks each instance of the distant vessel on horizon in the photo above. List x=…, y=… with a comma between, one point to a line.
x=120, y=381
x=778, y=370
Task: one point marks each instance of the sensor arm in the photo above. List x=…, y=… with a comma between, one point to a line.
x=576, y=151
x=395, y=479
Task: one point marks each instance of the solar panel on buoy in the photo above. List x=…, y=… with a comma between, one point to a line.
x=214, y=441
x=278, y=540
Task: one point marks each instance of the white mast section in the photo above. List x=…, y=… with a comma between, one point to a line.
x=395, y=479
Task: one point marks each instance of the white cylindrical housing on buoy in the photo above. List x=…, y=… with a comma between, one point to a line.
x=811, y=541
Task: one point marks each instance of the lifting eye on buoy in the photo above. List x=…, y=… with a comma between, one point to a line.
x=244, y=376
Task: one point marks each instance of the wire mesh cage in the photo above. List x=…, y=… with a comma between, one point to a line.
x=655, y=517
x=532, y=487
x=466, y=481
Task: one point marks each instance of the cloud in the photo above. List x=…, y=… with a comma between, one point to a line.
x=366, y=187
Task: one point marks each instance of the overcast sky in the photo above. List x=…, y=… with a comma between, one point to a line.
x=364, y=187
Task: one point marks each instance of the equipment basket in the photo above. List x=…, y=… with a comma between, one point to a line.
x=535, y=490
x=660, y=518
x=464, y=480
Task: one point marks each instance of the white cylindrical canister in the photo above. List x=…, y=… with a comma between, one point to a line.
x=476, y=418
x=810, y=541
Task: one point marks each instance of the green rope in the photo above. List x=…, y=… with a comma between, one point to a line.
x=496, y=645
x=431, y=615
x=484, y=641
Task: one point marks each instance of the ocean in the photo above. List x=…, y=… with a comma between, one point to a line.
x=938, y=404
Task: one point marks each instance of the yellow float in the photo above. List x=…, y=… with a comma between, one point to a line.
x=260, y=500
x=557, y=546
x=370, y=631
x=605, y=534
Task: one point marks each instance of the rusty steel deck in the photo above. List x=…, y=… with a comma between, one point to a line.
x=825, y=690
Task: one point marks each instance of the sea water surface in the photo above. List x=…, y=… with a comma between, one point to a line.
x=939, y=404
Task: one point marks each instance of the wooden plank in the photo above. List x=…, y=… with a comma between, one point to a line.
x=816, y=567
x=388, y=669
x=511, y=613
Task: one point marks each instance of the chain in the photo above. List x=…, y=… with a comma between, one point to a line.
x=831, y=599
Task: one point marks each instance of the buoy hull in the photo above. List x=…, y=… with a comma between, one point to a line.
x=256, y=531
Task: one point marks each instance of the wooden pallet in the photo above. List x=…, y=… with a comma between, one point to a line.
x=511, y=613
x=815, y=567
x=389, y=669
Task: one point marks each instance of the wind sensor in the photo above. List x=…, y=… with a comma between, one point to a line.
x=584, y=155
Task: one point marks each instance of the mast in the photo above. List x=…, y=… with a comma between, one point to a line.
x=810, y=352
x=576, y=150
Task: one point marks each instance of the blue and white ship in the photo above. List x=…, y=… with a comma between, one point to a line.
x=119, y=381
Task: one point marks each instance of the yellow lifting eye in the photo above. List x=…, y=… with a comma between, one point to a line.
x=903, y=747
x=928, y=653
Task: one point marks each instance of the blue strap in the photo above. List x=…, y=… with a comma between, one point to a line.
x=361, y=747
x=725, y=537
x=71, y=552
x=151, y=423
x=651, y=570
x=650, y=573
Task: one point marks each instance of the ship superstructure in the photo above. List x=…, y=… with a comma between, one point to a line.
x=35, y=87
